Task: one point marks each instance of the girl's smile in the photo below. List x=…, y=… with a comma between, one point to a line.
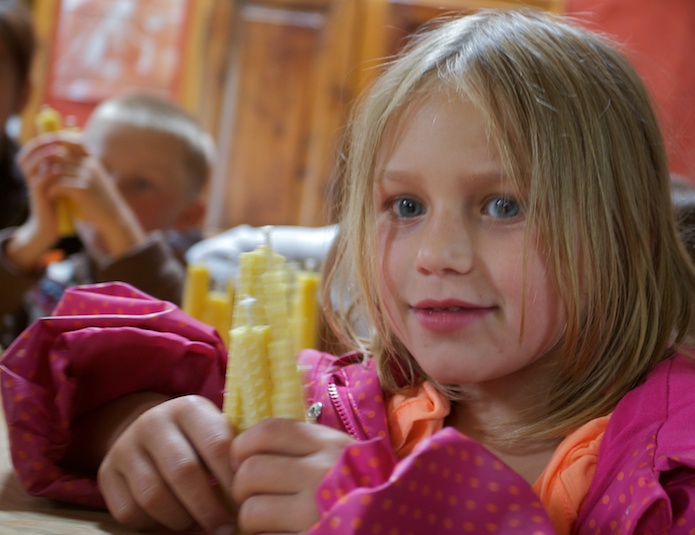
x=449, y=315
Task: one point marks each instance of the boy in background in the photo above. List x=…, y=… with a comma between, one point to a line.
x=137, y=174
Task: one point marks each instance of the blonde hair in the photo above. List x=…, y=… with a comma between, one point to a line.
x=151, y=112
x=577, y=134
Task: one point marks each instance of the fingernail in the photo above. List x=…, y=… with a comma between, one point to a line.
x=225, y=530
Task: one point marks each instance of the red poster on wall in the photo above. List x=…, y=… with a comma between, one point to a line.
x=102, y=48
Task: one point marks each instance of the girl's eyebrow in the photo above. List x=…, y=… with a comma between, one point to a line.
x=488, y=178
x=392, y=175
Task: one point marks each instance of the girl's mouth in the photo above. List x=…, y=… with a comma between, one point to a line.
x=448, y=316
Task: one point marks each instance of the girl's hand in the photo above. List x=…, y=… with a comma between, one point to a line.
x=278, y=465
x=159, y=471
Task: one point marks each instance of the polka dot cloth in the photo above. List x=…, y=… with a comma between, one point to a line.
x=448, y=484
x=645, y=477
x=103, y=341
x=644, y=482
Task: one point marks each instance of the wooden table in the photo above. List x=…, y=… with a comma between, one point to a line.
x=21, y=513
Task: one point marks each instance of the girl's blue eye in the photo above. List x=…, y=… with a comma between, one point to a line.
x=408, y=208
x=503, y=208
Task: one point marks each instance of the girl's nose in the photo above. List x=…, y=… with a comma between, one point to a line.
x=446, y=245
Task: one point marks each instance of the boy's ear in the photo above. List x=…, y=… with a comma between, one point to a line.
x=191, y=217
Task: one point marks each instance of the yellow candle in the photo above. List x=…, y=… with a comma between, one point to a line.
x=50, y=120
x=305, y=311
x=195, y=290
x=287, y=397
x=217, y=312
x=248, y=377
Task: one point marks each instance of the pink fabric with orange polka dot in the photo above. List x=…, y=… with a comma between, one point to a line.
x=103, y=341
x=644, y=483
x=645, y=478
x=447, y=484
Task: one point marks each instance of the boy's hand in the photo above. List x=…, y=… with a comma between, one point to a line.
x=44, y=162
x=278, y=465
x=159, y=471
x=58, y=165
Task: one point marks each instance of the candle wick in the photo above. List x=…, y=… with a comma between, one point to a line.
x=247, y=304
x=311, y=264
x=267, y=229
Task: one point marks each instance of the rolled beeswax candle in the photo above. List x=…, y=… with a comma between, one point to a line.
x=50, y=120
x=250, y=347
x=217, y=312
x=287, y=399
x=195, y=290
x=305, y=311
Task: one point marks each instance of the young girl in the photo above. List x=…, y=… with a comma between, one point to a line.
x=518, y=364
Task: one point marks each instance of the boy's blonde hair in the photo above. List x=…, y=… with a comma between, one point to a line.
x=579, y=138
x=151, y=112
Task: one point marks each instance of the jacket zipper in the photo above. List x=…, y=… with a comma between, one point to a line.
x=345, y=413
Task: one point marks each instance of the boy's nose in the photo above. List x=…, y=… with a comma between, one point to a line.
x=446, y=245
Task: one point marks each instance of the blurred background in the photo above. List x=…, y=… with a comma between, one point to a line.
x=273, y=80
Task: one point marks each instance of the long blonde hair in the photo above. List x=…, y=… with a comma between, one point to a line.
x=577, y=133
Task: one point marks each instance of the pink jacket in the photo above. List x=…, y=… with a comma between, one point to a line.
x=107, y=340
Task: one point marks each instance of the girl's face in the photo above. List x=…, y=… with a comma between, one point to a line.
x=451, y=233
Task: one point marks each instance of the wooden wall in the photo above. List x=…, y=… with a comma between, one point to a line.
x=294, y=67
x=273, y=80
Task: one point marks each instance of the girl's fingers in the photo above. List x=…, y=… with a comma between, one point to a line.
x=259, y=474
x=210, y=435
x=153, y=492
x=184, y=470
x=165, y=478
x=279, y=464
x=124, y=496
x=289, y=513
x=286, y=437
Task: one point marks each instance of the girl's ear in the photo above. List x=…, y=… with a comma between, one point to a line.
x=191, y=217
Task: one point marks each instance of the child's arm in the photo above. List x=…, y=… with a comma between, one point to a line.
x=279, y=464
x=57, y=165
x=154, y=267
x=74, y=380
x=158, y=471
x=43, y=162
x=14, y=283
